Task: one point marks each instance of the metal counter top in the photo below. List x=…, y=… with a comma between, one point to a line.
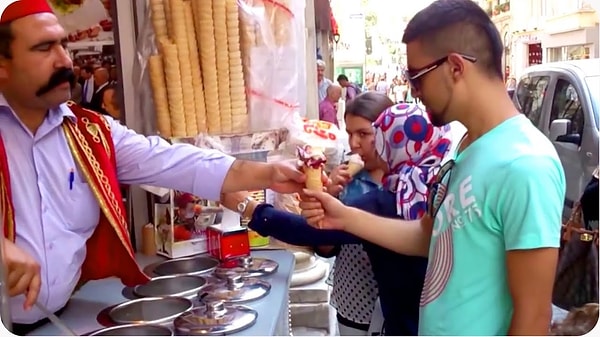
x=82, y=311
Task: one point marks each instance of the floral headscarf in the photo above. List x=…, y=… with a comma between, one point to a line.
x=413, y=149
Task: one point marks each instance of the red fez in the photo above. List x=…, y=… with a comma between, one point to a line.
x=183, y=200
x=15, y=9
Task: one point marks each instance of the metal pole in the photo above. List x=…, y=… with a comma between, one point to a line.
x=4, y=299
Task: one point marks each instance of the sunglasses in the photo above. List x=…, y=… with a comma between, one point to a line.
x=439, y=189
x=414, y=76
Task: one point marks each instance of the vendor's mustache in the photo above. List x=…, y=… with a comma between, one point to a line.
x=61, y=76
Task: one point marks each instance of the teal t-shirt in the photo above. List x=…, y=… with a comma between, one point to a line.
x=505, y=192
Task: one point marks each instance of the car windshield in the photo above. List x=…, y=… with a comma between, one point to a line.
x=593, y=83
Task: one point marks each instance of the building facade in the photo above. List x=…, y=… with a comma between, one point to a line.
x=528, y=29
x=501, y=12
x=572, y=31
x=538, y=31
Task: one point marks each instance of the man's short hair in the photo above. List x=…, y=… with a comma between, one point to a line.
x=88, y=68
x=342, y=77
x=115, y=98
x=321, y=63
x=459, y=26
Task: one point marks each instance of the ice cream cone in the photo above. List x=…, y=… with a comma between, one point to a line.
x=355, y=165
x=314, y=180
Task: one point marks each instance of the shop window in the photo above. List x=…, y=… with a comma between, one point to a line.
x=569, y=53
x=530, y=94
x=566, y=105
x=578, y=52
x=556, y=54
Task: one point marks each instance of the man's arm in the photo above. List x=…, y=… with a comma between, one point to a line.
x=530, y=210
x=205, y=173
x=246, y=175
x=22, y=273
x=405, y=237
x=408, y=237
x=531, y=279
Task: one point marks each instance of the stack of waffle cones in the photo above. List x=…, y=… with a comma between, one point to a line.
x=197, y=77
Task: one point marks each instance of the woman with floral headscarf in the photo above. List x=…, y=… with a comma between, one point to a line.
x=411, y=150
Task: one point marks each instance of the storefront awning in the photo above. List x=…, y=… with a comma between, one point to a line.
x=334, y=25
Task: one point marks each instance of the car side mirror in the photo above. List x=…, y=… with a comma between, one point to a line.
x=560, y=131
x=559, y=127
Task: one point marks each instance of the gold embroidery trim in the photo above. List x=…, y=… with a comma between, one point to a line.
x=6, y=209
x=74, y=136
x=97, y=135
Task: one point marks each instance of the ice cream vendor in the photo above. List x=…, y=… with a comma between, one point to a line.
x=61, y=166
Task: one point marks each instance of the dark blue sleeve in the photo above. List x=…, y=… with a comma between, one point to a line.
x=293, y=229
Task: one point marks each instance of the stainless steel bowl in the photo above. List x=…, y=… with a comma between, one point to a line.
x=194, y=265
x=150, y=310
x=134, y=330
x=172, y=285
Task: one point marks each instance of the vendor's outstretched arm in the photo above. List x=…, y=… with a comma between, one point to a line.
x=204, y=173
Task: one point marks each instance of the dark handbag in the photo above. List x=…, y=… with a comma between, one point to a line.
x=577, y=274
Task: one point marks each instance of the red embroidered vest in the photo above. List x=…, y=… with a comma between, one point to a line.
x=109, y=251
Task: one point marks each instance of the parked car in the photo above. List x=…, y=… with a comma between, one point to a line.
x=562, y=99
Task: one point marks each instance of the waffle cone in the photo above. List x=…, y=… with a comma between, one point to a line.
x=314, y=180
x=354, y=168
x=159, y=94
x=159, y=19
x=197, y=83
x=205, y=39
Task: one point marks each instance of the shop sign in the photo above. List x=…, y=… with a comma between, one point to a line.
x=88, y=23
x=528, y=38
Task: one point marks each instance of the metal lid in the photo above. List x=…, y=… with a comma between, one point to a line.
x=172, y=285
x=194, y=265
x=235, y=290
x=215, y=318
x=134, y=330
x=150, y=310
x=247, y=266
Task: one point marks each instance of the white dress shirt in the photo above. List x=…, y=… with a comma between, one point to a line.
x=87, y=90
x=53, y=221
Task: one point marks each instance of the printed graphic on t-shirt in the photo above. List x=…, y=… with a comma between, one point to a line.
x=457, y=211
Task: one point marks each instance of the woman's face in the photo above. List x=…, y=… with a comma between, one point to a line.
x=362, y=140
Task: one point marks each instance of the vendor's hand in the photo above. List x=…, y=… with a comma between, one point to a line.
x=23, y=273
x=338, y=179
x=323, y=211
x=288, y=178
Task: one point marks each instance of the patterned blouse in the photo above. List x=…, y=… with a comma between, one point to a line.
x=354, y=290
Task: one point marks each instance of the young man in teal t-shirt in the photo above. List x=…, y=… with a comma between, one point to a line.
x=503, y=198
x=493, y=232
